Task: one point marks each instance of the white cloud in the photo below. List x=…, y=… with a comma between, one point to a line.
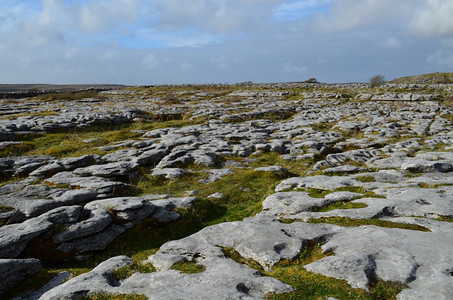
x=186, y=66
x=290, y=68
x=434, y=18
x=220, y=17
x=99, y=16
x=392, y=43
x=295, y=10
x=150, y=62
x=349, y=14
x=109, y=54
x=70, y=54
x=443, y=58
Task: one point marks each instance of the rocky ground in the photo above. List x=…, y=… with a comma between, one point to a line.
x=249, y=191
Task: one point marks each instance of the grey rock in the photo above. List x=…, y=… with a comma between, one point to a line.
x=114, y=169
x=222, y=279
x=424, y=166
x=217, y=195
x=72, y=163
x=169, y=173
x=97, y=221
x=60, y=278
x=122, y=155
x=14, y=238
x=95, y=242
x=78, y=196
x=317, y=182
x=274, y=169
x=215, y=174
x=151, y=157
x=265, y=243
x=103, y=187
x=94, y=281
x=15, y=270
x=48, y=170
x=63, y=215
x=346, y=169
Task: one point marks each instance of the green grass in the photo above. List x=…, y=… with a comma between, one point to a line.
x=366, y=178
x=69, y=143
x=297, y=167
x=309, y=285
x=188, y=267
x=126, y=271
x=340, y=205
x=313, y=286
x=40, y=279
x=444, y=218
x=110, y=296
x=243, y=191
x=348, y=222
x=5, y=208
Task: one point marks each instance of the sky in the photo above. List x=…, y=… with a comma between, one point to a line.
x=146, y=42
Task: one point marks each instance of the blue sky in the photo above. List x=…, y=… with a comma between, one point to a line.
x=222, y=41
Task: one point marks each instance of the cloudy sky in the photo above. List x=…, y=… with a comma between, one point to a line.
x=222, y=41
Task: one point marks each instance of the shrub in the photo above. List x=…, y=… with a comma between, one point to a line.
x=377, y=80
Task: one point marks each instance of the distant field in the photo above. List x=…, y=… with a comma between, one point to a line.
x=8, y=88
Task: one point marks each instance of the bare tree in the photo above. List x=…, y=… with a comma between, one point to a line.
x=377, y=80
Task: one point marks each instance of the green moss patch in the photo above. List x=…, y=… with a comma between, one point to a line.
x=126, y=271
x=188, y=267
x=340, y=205
x=349, y=222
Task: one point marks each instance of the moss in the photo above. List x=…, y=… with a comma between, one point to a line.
x=110, y=296
x=309, y=285
x=317, y=193
x=340, y=205
x=348, y=222
x=444, y=218
x=126, y=271
x=5, y=208
x=188, y=267
x=38, y=280
x=234, y=255
x=366, y=178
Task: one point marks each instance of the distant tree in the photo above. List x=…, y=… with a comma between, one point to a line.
x=311, y=80
x=377, y=80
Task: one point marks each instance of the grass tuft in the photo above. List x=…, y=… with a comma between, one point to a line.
x=349, y=222
x=188, y=267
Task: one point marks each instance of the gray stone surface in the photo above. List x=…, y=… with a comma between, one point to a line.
x=15, y=270
x=169, y=173
x=404, y=148
x=15, y=237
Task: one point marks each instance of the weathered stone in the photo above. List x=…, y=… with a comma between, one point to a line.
x=215, y=174
x=169, y=173
x=317, y=182
x=423, y=166
x=94, y=281
x=114, y=169
x=274, y=169
x=95, y=242
x=15, y=270
x=15, y=237
x=97, y=221
x=151, y=157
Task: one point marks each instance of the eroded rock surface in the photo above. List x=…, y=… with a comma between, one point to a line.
x=386, y=162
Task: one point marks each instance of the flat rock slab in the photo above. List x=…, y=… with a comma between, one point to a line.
x=103, y=187
x=15, y=270
x=114, y=169
x=169, y=173
x=321, y=182
x=15, y=237
x=222, y=279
